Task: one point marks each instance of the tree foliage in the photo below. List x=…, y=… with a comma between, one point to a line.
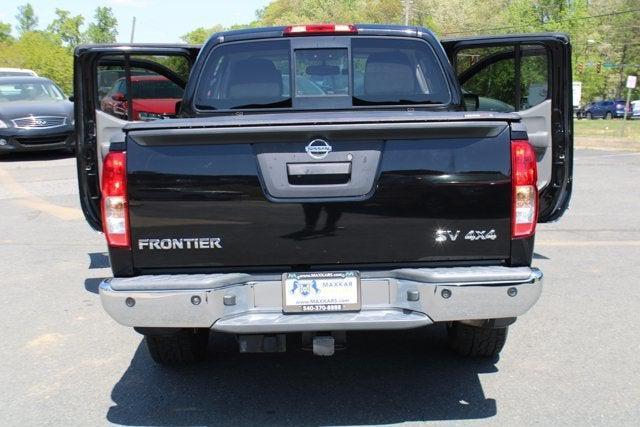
x=42, y=52
x=605, y=41
x=201, y=34
x=5, y=32
x=605, y=34
x=104, y=29
x=67, y=27
x=49, y=52
x=27, y=19
x=286, y=12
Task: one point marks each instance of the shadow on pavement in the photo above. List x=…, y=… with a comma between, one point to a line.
x=35, y=156
x=93, y=284
x=381, y=378
x=98, y=260
x=539, y=256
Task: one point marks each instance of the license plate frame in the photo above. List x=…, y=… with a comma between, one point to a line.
x=341, y=301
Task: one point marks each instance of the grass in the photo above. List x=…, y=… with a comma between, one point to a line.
x=616, y=133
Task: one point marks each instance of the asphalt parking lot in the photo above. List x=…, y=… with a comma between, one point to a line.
x=572, y=360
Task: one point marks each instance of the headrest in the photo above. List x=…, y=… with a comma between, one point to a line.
x=255, y=78
x=389, y=73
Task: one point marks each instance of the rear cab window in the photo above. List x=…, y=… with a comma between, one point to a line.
x=353, y=72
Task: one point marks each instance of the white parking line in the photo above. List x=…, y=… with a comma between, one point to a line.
x=587, y=242
x=601, y=156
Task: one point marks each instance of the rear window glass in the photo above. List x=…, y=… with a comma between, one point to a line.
x=30, y=92
x=380, y=71
x=391, y=71
x=246, y=75
x=321, y=72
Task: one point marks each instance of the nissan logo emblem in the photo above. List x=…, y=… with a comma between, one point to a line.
x=318, y=149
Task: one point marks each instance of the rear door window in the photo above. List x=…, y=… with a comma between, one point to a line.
x=506, y=78
x=534, y=76
x=150, y=90
x=494, y=80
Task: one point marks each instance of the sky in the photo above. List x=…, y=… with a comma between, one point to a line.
x=157, y=21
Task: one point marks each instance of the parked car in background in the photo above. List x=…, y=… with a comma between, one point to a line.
x=35, y=115
x=580, y=112
x=635, y=109
x=154, y=97
x=16, y=72
x=605, y=110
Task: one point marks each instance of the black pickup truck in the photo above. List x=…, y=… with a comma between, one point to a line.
x=325, y=178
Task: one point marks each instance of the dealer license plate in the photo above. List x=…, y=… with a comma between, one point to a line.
x=321, y=292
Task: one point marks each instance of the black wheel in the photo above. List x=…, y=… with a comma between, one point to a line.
x=608, y=116
x=589, y=116
x=476, y=341
x=183, y=347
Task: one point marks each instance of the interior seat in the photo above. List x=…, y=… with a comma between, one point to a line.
x=389, y=74
x=255, y=78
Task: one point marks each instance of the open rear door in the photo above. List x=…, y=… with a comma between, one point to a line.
x=529, y=74
x=114, y=85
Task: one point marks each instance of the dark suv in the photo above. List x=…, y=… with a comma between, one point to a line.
x=604, y=110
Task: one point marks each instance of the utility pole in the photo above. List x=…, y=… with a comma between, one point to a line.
x=133, y=28
x=407, y=11
x=623, y=61
x=631, y=84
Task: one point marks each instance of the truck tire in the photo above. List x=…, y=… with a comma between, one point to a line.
x=183, y=347
x=476, y=341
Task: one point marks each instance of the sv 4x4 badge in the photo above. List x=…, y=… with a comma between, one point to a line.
x=473, y=235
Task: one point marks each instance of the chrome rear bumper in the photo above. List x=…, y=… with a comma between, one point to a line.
x=391, y=299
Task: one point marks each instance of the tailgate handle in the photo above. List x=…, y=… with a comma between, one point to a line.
x=333, y=168
x=325, y=173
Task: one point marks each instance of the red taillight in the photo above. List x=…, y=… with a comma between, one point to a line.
x=309, y=30
x=115, y=209
x=524, y=178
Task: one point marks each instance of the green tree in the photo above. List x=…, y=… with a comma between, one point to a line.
x=286, y=12
x=27, y=19
x=67, y=27
x=458, y=17
x=104, y=29
x=42, y=52
x=5, y=32
x=201, y=34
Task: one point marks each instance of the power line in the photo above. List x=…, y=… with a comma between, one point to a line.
x=550, y=22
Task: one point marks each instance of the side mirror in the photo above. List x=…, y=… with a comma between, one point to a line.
x=72, y=99
x=471, y=101
x=118, y=96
